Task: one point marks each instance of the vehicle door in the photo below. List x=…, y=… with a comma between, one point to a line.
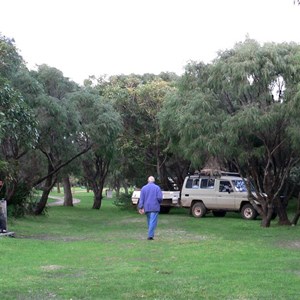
x=207, y=192
x=188, y=191
x=225, y=195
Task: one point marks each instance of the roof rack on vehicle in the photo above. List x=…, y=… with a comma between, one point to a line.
x=230, y=174
x=214, y=173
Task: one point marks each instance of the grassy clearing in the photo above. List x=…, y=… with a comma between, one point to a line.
x=80, y=253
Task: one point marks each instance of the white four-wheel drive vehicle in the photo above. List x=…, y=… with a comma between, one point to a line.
x=202, y=194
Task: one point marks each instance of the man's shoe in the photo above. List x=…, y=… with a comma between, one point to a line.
x=150, y=238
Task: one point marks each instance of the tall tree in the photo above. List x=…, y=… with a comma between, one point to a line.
x=142, y=148
x=243, y=108
x=58, y=128
x=99, y=125
x=18, y=132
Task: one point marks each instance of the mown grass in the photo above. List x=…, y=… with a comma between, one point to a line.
x=81, y=253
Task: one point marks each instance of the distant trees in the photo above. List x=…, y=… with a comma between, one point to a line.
x=142, y=149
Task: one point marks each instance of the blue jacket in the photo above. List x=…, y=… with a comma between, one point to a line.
x=150, y=198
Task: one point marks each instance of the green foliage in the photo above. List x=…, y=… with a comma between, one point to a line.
x=243, y=108
x=10, y=60
x=23, y=201
x=123, y=201
x=53, y=82
x=17, y=122
x=141, y=148
x=99, y=122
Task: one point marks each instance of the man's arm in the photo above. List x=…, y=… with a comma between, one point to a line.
x=141, y=203
x=141, y=200
x=159, y=195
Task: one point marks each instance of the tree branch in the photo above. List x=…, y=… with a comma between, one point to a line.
x=62, y=165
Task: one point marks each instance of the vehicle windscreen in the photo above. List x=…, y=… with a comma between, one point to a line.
x=239, y=185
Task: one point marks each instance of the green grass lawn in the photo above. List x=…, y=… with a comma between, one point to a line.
x=81, y=253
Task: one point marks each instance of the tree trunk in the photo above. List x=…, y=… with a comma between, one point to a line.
x=68, y=198
x=297, y=215
x=265, y=222
x=97, y=199
x=125, y=190
x=44, y=198
x=267, y=215
x=118, y=191
x=95, y=173
x=58, y=187
x=280, y=208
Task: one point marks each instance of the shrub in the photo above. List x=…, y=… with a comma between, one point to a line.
x=124, y=201
x=22, y=202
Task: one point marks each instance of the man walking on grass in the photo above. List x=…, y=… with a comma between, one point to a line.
x=149, y=204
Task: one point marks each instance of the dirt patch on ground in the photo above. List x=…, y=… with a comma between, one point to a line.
x=60, y=201
x=290, y=244
x=132, y=221
x=51, y=268
x=46, y=237
x=181, y=236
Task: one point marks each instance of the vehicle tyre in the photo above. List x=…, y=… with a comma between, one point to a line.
x=248, y=212
x=165, y=209
x=219, y=213
x=198, y=210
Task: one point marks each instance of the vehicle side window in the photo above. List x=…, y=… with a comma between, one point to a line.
x=225, y=186
x=207, y=183
x=192, y=183
x=196, y=183
x=189, y=183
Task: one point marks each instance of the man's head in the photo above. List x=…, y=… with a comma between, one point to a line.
x=151, y=179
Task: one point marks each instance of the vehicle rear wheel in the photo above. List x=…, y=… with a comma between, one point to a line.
x=198, y=210
x=248, y=212
x=219, y=213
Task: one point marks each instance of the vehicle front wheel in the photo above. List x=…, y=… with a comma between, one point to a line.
x=248, y=212
x=198, y=210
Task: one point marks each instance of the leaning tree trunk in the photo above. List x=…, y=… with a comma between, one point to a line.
x=68, y=198
x=44, y=198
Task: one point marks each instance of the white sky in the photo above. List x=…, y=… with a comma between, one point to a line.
x=97, y=37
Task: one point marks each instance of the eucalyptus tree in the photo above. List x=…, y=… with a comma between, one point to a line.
x=129, y=163
x=141, y=147
x=18, y=132
x=243, y=108
x=58, y=128
x=100, y=126
x=150, y=98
